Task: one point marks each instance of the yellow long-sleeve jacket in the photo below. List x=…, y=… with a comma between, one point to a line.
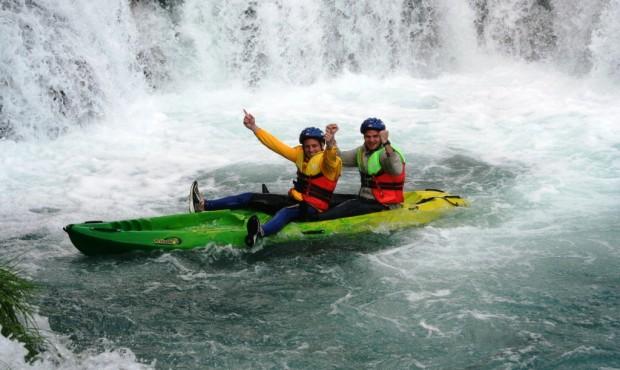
x=326, y=163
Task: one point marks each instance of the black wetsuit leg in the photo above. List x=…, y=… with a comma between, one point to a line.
x=270, y=203
x=351, y=207
x=339, y=198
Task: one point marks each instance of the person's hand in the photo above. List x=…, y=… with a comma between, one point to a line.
x=332, y=128
x=330, y=135
x=383, y=134
x=249, y=121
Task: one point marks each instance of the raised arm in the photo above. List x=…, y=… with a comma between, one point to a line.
x=391, y=162
x=268, y=139
x=332, y=164
x=349, y=157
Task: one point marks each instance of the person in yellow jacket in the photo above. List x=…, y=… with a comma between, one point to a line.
x=318, y=171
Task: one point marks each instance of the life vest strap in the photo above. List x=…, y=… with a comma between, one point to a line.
x=304, y=176
x=391, y=185
x=370, y=182
x=320, y=193
x=304, y=186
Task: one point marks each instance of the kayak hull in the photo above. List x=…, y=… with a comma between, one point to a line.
x=228, y=227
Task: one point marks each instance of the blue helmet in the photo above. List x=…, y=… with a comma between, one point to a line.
x=372, y=124
x=311, y=133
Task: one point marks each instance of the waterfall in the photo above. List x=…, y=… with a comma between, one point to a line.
x=66, y=63
x=605, y=44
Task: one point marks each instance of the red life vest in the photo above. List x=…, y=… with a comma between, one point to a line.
x=386, y=188
x=311, y=185
x=316, y=190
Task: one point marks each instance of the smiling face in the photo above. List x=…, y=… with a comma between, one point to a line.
x=372, y=140
x=311, y=147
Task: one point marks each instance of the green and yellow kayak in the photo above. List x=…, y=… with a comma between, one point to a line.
x=228, y=227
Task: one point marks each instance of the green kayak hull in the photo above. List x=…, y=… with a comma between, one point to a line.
x=228, y=227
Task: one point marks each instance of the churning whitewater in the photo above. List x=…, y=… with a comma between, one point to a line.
x=108, y=111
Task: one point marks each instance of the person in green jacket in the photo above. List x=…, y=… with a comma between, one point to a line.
x=382, y=173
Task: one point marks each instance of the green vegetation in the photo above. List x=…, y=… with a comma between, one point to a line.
x=16, y=312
